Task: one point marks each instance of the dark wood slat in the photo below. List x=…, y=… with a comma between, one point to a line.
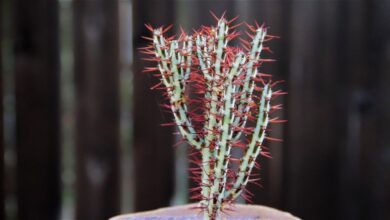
x=96, y=52
x=375, y=176
x=2, y=179
x=37, y=108
x=153, y=144
x=359, y=123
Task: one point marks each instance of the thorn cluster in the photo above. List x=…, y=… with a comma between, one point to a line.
x=219, y=101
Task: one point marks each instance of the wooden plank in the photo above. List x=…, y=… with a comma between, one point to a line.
x=359, y=110
x=153, y=144
x=375, y=154
x=97, y=108
x=2, y=179
x=36, y=66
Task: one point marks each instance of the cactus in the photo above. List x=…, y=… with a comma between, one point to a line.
x=219, y=101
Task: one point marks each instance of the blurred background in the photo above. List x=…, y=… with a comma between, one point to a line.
x=80, y=130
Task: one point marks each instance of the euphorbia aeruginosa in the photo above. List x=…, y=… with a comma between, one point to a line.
x=220, y=100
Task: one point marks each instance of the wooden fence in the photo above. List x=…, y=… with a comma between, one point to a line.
x=334, y=56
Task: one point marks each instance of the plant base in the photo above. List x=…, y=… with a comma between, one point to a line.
x=191, y=212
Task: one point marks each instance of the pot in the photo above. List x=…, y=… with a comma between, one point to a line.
x=191, y=212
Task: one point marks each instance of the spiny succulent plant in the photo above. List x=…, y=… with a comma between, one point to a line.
x=220, y=101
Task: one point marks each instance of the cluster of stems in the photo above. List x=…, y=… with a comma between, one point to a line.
x=219, y=101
